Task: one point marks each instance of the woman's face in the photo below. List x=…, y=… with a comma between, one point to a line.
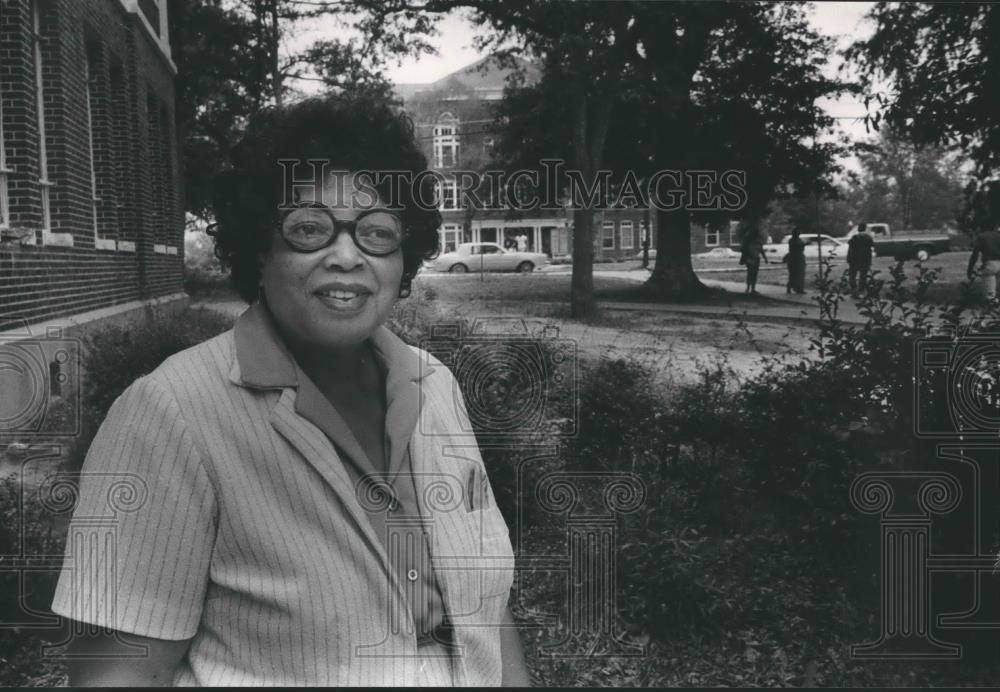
x=336, y=296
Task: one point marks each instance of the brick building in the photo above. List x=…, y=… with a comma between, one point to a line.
x=91, y=216
x=454, y=123
x=707, y=237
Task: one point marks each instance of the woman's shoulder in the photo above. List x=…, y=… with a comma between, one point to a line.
x=198, y=367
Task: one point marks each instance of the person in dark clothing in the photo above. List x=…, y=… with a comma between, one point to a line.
x=752, y=251
x=859, y=258
x=986, y=246
x=796, y=259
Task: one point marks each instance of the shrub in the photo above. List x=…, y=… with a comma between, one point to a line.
x=201, y=267
x=622, y=425
x=26, y=531
x=748, y=522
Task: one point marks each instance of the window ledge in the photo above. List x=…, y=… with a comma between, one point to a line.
x=105, y=244
x=165, y=249
x=126, y=246
x=57, y=239
x=25, y=236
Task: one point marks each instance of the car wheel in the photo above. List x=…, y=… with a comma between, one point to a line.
x=525, y=267
x=923, y=254
x=458, y=269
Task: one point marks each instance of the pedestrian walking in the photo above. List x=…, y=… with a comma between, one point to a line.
x=796, y=259
x=859, y=258
x=986, y=246
x=751, y=253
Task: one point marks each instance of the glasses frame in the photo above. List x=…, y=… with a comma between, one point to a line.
x=340, y=225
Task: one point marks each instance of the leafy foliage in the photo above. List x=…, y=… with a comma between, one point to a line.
x=942, y=64
x=748, y=554
x=909, y=187
x=26, y=530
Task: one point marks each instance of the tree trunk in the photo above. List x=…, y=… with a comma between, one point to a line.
x=275, y=43
x=673, y=276
x=591, y=119
x=581, y=292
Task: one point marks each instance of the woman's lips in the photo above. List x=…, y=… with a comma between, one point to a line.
x=343, y=300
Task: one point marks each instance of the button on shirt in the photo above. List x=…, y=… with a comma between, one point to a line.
x=395, y=513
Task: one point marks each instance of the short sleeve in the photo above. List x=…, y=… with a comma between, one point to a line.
x=139, y=545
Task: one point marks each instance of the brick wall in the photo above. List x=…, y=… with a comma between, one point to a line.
x=96, y=54
x=702, y=235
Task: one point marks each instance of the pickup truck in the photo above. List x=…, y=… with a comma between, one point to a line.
x=919, y=243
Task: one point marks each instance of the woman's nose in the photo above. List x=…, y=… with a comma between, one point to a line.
x=343, y=253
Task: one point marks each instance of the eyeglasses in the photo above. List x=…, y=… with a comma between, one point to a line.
x=312, y=226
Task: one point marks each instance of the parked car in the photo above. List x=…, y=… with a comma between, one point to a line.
x=718, y=253
x=833, y=248
x=489, y=257
x=652, y=254
x=912, y=242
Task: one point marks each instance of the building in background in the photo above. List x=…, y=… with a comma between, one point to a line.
x=706, y=237
x=91, y=215
x=455, y=125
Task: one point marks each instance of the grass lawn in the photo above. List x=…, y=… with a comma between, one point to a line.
x=546, y=287
x=554, y=287
x=454, y=288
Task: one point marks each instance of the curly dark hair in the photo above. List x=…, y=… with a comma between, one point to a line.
x=352, y=133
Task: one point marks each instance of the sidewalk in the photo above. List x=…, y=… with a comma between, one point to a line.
x=772, y=304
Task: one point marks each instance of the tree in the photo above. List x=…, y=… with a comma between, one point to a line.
x=707, y=87
x=730, y=87
x=909, y=186
x=215, y=93
x=942, y=64
x=588, y=44
x=645, y=86
x=349, y=65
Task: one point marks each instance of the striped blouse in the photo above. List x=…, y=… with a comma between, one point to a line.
x=210, y=509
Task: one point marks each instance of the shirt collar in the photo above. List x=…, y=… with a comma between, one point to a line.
x=264, y=362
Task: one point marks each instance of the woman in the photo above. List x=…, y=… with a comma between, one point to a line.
x=796, y=259
x=304, y=507
x=750, y=255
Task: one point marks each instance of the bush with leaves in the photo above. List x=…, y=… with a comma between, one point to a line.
x=27, y=532
x=621, y=419
x=201, y=267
